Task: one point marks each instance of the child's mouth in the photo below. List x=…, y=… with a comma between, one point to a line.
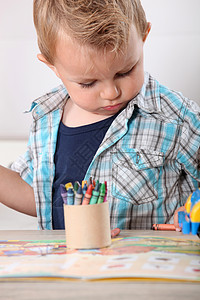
x=112, y=107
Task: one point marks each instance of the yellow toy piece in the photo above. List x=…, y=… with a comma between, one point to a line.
x=189, y=221
x=195, y=213
x=188, y=204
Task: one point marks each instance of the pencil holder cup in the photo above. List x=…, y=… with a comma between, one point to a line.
x=87, y=226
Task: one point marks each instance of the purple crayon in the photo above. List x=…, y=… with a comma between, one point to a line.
x=63, y=192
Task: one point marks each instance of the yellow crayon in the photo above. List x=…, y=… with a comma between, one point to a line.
x=69, y=185
x=83, y=183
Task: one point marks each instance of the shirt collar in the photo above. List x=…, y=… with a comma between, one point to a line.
x=148, y=99
x=54, y=100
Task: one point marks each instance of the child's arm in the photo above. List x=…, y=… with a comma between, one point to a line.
x=16, y=193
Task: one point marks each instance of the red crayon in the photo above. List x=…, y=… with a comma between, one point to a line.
x=88, y=195
x=169, y=227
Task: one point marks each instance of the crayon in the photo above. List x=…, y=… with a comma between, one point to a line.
x=169, y=227
x=84, y=189
x=88, y=195
x=95, y=194
x=69, y=185
x=76, y=186
x=78, y=196
x=102, y=193
x=63, y=193
x=70, y=196
x=83, y=183
x=105, y=198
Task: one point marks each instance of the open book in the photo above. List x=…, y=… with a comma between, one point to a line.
x=157, y=258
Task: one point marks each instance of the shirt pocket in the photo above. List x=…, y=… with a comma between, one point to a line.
x=135, y=175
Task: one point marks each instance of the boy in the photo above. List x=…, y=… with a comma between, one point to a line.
x=109, y=120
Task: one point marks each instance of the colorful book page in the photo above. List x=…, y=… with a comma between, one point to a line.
x=132, y=257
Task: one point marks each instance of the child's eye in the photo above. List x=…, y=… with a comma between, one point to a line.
x=87, y=85
x=126, y=73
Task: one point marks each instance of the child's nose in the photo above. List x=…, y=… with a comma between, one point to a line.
x=110, y=92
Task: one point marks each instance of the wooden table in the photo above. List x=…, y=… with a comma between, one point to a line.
x=112, y=290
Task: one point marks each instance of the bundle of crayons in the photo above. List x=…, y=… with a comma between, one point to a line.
x=84, y=194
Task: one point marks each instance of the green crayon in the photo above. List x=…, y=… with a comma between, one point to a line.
x=76, y=186
x=102, y=193
x=95, y=194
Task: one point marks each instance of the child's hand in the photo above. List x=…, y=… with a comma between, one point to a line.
x=115, y=232
x=182, y=208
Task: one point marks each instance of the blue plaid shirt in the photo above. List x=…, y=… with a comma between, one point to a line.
x=149, y=156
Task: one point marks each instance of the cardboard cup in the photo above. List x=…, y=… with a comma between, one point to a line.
x=87, y=226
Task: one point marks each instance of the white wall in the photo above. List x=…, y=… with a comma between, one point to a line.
x=22, y=77
x=172, y=52
x=172, y=55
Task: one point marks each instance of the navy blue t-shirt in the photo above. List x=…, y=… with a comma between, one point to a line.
x=75, y=149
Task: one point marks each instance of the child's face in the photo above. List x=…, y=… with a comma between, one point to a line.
x=98, y=82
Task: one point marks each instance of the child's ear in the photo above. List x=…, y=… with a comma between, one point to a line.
x=52, y=67
x=147, y=31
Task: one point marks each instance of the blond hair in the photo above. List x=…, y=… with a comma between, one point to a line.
x=98, y=23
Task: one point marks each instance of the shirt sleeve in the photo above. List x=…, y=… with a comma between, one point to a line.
x=24, y=164
x=189, y=148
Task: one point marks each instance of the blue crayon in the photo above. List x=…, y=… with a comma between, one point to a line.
x=63, y=192
x=95, y=194
x=70, y=196
x=78, y=196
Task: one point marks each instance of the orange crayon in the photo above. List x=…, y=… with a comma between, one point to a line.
x=169, y=227
x=88, y=195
